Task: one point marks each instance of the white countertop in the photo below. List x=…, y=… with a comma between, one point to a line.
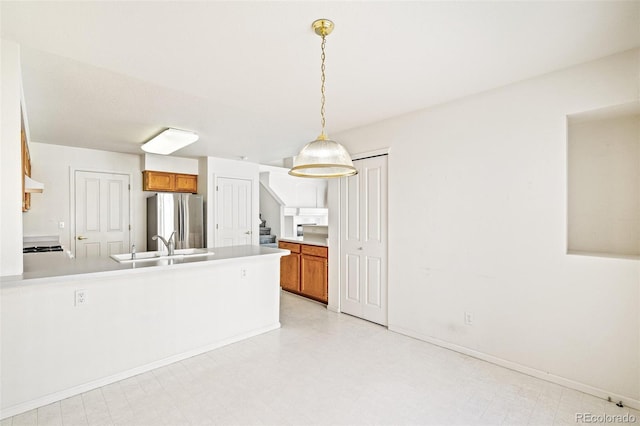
x=300, y=240
x=40, y=266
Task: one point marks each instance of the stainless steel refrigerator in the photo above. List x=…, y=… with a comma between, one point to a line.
x=183, y=213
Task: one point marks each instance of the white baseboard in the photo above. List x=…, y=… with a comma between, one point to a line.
x=600, y=393
x=333, y=308
x=76, y=390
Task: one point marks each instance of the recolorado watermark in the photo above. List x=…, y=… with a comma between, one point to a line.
x=606, y=418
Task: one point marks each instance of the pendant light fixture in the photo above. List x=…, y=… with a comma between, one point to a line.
x=323, y=158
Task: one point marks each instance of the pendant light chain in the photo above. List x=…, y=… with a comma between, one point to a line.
x=323, y=120
x=323, y=157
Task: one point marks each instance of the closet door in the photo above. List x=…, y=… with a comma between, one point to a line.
x=363, y=241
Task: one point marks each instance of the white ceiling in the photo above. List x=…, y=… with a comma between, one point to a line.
x=246, y=75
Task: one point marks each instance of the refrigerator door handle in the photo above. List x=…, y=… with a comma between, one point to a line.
x=181, y=220
x=185, y=220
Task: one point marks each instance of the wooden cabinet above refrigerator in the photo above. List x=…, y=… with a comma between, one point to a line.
x=169, y=182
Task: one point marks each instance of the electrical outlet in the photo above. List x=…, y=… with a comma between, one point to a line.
x=81, y=297
x=468, y=318
x=243, y=273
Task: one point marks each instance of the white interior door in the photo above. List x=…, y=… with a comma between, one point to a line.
x=363, y=241
x=102, y=224
x=233, y=212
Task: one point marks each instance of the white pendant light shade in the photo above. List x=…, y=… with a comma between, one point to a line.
x=323, y=158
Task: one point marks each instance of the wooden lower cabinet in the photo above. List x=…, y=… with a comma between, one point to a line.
x=290, y=267
x=305, y=270
x=290, y=272
x=313, y=277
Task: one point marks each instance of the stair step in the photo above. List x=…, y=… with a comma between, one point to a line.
x=265, y=231
x=265, y=239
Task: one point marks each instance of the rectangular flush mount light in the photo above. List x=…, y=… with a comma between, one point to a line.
x=170, y=141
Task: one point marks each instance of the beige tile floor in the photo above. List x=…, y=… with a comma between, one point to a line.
x=323, y=368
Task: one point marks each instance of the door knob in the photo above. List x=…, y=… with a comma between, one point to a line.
x=359, y=248
x=82, y=238
x=248, y=232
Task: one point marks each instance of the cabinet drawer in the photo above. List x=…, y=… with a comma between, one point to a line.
x=293, y=247
x=315, y=250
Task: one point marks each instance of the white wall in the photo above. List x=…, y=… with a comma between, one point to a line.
x=477, y=222
x=52, y=165
x=204, y=189
x=604, y=186
x=169, y=163
x=271, y=211
x=10, y=161
x=294, y=191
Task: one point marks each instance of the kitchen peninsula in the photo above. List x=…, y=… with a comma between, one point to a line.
x=80, y=324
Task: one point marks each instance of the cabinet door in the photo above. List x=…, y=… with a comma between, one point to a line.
x=186, y=183
x=289, y=272
x=158, y=181
x=314, y=277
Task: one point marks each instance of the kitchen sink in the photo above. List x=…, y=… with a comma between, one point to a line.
x=192, y=252
x=152, y=256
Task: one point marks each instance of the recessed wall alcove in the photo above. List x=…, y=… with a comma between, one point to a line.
x=604, y=182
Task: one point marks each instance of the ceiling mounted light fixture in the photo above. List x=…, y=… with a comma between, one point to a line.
x=170, y=140
x=323, y=158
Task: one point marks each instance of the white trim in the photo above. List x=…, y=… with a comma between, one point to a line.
x=267, y=188
x=76, y=390
x=333, y=204
x=333, y=308
x=591, y=390
x=339, y=239
x=362, y=155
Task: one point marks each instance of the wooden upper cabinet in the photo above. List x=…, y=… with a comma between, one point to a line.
x=169, y=182
x=158, y=181
x=186, y=183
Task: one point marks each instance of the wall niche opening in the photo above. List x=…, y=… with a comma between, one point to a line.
x=603, y=187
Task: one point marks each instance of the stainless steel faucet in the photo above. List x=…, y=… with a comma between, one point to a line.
x=169, y=243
